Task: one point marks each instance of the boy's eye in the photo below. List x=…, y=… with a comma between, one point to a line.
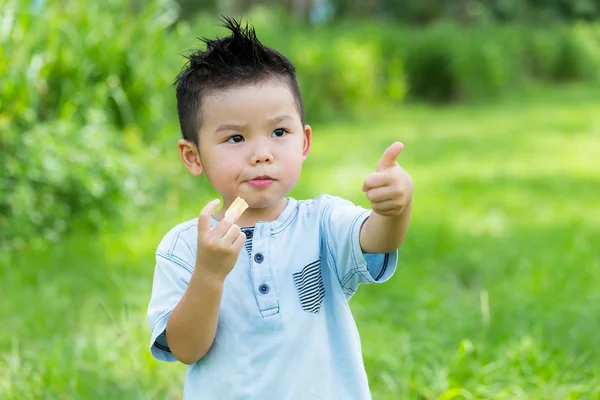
x=235, y=139
x=279, y=132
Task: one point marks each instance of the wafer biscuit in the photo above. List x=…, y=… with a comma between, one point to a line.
x=238, y=207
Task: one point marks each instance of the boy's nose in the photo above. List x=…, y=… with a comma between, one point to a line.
x=262, y=154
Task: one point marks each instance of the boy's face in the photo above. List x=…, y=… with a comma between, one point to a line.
x=251, y=144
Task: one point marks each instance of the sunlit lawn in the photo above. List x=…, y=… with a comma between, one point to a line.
x=496, y=296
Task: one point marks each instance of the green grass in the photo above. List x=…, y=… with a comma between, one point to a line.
x=496, y=295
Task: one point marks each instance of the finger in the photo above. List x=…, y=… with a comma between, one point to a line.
x=376, y=180
x=222, y=227
x=386, y=206
x=239, y=241
x=232, y=234
x=381, y=194
x=205, y=214
x=388, y=160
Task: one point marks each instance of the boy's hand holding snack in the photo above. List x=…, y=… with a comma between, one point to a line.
x=192, y=325
x=219, y=247
x=390, y=188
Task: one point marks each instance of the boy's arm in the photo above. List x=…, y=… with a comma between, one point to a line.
x=192, y=325
x=390, y=192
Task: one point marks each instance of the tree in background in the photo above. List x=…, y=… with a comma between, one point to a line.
x=413, y=11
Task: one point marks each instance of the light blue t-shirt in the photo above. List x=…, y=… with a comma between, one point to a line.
x=285, y=330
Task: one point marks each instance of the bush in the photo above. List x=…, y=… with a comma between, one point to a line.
x=342, y=69
x=86, y=91
x=339, y=75
x=543, y=54
x=61, y=174
x=430, y=67
x=77, y=100
x=579, y=54
x=487, y=62
x=446, y=62
x=449, y=63
x=567, y=53
x=68, y=58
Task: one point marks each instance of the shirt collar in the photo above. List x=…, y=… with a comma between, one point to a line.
x=281, y=220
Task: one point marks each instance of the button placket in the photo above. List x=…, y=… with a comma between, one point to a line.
x=262, y=277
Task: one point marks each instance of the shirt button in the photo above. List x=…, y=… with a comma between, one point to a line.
x=258, y=257
x=264, y=288
x=248, y=234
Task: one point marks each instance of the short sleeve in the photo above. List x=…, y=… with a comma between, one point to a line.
x=340, y=225
x=172, y=273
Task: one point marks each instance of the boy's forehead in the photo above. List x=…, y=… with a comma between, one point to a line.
x=259, y=89
x=257, y=101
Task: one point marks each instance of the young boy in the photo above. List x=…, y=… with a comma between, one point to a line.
x=257, y=304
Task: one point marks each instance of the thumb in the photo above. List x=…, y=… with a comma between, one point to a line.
x=204, y=218
x=388, y=160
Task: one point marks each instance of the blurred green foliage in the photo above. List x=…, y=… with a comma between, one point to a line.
x=77, y=100
x=531, y=11
x=86, y=90
x=416, y=12
x=493, y=301
x=495, y=296
x=446, y=62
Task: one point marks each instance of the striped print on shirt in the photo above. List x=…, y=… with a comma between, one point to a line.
x=248, y=244
x=309, y=283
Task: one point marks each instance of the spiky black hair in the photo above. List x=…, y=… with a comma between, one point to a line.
x=234, y=60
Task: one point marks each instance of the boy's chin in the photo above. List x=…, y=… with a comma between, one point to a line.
x=261, y=203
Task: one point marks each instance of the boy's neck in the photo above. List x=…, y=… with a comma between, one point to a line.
x=253, y=215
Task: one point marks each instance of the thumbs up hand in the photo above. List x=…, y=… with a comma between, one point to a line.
x=390, y=188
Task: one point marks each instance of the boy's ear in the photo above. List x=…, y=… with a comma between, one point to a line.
x=190, y=156
x=307, y=141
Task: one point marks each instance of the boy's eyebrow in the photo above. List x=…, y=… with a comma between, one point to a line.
x=230, y=127
x=237, y=127
x=280, y=118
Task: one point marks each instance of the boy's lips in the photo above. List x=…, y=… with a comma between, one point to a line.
x=260, y=181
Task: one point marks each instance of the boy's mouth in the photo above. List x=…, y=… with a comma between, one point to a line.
x=260, y=181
